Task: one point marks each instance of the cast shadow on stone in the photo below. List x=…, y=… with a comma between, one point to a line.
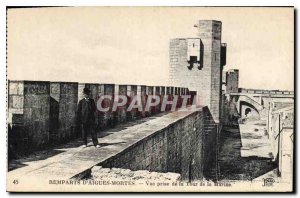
x=36, y=156
x=54, y=120
x=235, y=167
x=109, y=144
x=210, y=169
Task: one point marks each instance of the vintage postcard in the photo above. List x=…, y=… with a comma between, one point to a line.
x=150, y=99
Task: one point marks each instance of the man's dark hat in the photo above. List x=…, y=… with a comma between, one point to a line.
x=86, y=90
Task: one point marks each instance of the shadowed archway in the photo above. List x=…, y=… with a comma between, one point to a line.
x=248, y=110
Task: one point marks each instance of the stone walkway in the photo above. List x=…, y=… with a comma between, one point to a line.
x=255, y=140
x=74, y=160
x=57, y=149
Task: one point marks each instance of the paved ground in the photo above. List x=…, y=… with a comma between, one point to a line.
x=55, y=150
x=255, y=140
x=242, y=152
x=67, y=161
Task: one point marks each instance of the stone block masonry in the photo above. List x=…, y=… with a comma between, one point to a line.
x=118, y=174
x=63, y=106
x=107, y=119
x=158, y=93
x=167, y=143
x=196, y=63
x=29, y=114
x=232, y=81
x=149, y=93
x=42, y=113
x=121, y=111
x=131, y=93
x=210, y=148
x=141, y=91
x=177, y=147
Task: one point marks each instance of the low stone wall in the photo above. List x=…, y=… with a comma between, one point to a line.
x=176, y=148
x=118, y=174
x=176, y=142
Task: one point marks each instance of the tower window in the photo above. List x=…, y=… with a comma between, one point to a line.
x=193, y=59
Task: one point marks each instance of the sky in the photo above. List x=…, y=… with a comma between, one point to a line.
x=131, y=45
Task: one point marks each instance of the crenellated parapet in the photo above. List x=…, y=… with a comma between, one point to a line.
x=41, y=113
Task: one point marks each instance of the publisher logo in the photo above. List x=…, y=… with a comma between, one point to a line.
x=268, y=182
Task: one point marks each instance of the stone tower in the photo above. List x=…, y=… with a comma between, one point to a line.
x=232, y=81
x=197, y=63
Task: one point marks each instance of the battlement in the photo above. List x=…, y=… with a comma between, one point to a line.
x=43, y=112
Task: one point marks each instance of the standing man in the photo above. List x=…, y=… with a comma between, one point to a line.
x=86, y=117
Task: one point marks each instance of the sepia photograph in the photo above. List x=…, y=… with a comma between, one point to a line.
x=150, y=99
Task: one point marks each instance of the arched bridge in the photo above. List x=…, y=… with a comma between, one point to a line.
x=255, y=103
